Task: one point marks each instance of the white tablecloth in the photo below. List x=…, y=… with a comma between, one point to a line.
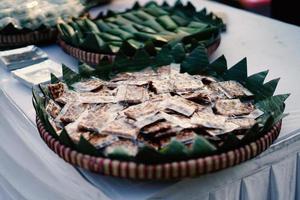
x=30, y=170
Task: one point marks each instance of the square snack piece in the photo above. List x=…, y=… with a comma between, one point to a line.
x=162, y=85
x=178, y=120
x=52, y=108
x=157, y=127
x=132, y=94
x=243, y=123
x=98, y=117
x=57, y=89
x=233, y=107
x=71, y=112
x=121, y=128
x=234, y=89
x=147, y=120
x=180, y=105
x=185, y=83
x=199, y=96
x=88, y=86
x=68, y=96
x=95, y=98
x=101, y=141
x=141, y=110
x=186, y=137
x=74, y=132
x=227, y=128
x=216, y=91
x=208, y=120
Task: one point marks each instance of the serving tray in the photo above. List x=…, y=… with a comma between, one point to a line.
x=165, y=171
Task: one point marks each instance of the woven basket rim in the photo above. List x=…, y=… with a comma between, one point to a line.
x=43, y=36
x=95, y=58
x=179, y=169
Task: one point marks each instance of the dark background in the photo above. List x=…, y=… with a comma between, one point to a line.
x=285, y=11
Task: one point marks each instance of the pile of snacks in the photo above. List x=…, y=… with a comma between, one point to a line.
x=150, y=108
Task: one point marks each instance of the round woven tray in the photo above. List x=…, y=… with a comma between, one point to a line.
x=34, y=37
x=173, y=170
x=95, y=58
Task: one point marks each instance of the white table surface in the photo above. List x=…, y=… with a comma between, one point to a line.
x=30, y=170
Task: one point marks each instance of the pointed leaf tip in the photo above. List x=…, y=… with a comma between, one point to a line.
x=219, y=65
x=196, y=62
x=258, y=78
x=270, y=87
x=237, y=72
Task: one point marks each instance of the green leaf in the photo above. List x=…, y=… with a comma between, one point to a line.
x=167, y=22
x=237, y=72
x=68, y=33
x=44, y=89
x=252, y=134
x=54, y=79
x=120, y=33
x=202, y=147
x=180, y=20
x=175, y=150
x=219, y=65
x=136, y=5
x=65, y=139
x=155, y=11
x=273, y=105
x=254, y=83
x=78, y=33
x=154, y=25
x=262, y=91
x=258, y=77
x=198, y=25
x=85, y=70
x=270, y=87
x=94, y=43
x=143, y=29
x=139, y=61
x=230, y=142
x=164, y=56
x=133, y=18
x=199, y=35
x=70, y=76
x=178, y=52
x=143, y=15
x=129, y=47
x=109, y=37
x=129, y=28
x=196, y=62
x=102, y=25
x=148, y=155
x=86, y=147
x=91, y=25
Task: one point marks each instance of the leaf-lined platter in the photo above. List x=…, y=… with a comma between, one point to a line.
x=150, y=27
x=242, y=116
x=24, y=22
